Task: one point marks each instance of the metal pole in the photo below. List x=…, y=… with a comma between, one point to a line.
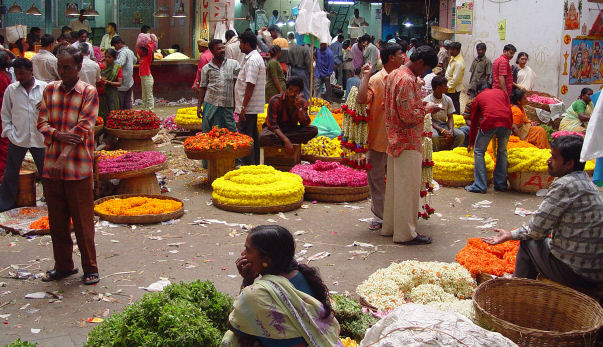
x=48, y=16
x=312, y=67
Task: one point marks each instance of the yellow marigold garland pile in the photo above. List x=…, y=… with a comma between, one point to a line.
x=137, y=206
x=187, y=116
x=533, y=160
x=459, y=120
x=457, y=165
x=258, y=185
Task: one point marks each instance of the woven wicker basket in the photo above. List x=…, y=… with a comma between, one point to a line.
x=219, y=153
x=534, y=313
x=98, y=129
x=141, y=219
x=190, y=126
x=545, y=107
x=133, y=173
x=529, y=182
x=132, y=134
x=313, y=158
x=259, y=209
x=336, y=194
x=446, y=143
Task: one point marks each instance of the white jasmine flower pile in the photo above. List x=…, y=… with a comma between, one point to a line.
x=446, y=286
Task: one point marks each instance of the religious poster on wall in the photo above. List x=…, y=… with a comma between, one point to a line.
x=597, y=73
x=464, y=16
x=572, y=10
x=581, y=62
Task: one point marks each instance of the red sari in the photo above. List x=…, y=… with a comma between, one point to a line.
x=4, y=82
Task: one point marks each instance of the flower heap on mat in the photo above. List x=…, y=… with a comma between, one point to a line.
x=40, y=224
x=542, y=99
x=426, y=170
x=330, y=174
x=137, y=206
x=337, y=114
x=354, y=136
x=459, y=120
x=170, y=124
x=437, y=284
x=187, y=116
x=457, y=165
x=130, y=161
x=533, y=160
x=479, y=257
x=104, y=155
x=322, y=146
x=316, y=104
x=99, y=121
x=258, y=185
x=133, y=120
x=217, y=139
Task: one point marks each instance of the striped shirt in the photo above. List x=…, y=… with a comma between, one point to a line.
x=219, y=82
x=253, y=71
x=72, y=111
x=572, y=214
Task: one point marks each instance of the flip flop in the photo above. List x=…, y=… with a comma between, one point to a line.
x=418, y=240
x=374, y=226
x=53, y=275
x=91, y=278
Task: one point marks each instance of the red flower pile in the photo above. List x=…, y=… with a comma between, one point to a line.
x=480, y=257
x=133, y=120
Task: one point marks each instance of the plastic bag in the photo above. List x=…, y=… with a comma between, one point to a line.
x=16, y=32
x=326, y=124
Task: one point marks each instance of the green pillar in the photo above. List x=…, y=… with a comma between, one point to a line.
x=48, y=16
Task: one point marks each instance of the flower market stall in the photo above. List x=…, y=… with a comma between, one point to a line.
x=258, y=189
x=186, y=118
x=133, y=128
x=220, y=147
x=134, y=170
x=332, y=182
x=138, y=208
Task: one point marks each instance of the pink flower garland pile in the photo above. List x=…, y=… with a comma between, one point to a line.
x=565, y=133
x=330, y=174
x=130, y=161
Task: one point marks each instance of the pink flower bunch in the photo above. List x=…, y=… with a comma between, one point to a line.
x=130, y=161
x=542, y=99
x=330, y=174
x=561, y=133
x=169, y=123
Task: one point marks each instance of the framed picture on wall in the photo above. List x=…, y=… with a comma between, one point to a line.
x=581, y=64
x=597, y=73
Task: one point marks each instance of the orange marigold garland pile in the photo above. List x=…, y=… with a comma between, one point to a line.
x=217, y=138
x=479, y=257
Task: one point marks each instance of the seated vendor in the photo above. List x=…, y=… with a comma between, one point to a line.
x=522, y=126
x=564, y=239
x=578, y=114
x=287, y=120
x=282, y=303
x=442, y=120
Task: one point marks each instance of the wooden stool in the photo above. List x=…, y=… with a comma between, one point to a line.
x=26, y=191
x=277, y=157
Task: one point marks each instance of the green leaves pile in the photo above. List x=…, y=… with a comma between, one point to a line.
x=184, y=314
x=353, y=322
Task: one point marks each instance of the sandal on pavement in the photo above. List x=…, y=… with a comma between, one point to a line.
x=91, y=278
x=418, y=240
x=374, y=226
x=53, y=275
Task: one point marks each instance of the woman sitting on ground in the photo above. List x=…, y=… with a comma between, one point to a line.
x=288, y=305
x=577, y=116
x=522, y=127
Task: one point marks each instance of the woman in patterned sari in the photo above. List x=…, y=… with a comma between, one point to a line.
x=578, y=114
x=288, y=305
x=111, y=79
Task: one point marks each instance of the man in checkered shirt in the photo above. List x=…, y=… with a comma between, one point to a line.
x=564, y=239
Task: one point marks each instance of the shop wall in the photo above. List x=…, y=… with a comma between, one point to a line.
x=531, y=26
x=446, y=7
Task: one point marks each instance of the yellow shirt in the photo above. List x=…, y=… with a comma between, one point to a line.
x=455, y=73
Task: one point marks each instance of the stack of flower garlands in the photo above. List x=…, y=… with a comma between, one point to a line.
x=217, y=139
x=514, y=142
x=479, y=257
x=457, y=166
x=426, y=169
x=459, y=120
x=262, y=118
x=446, y=286
x=258, y=185
x=137, y=206
x=315, y=104
x=187, y=116
x=322, y=146
x=330, y=174
x=533, y=160
x=133, y=120
x=129, y=161
x=354, y=136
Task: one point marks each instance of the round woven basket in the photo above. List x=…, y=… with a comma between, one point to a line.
x=190, y=126
x=529, y=182
x=98, y=129
x=446, y=143
x=447, y=183
x=259, y=209
x=132, y=134
x=336, y=194
x=141, y=219
x=134, y=173
x=313, y=158
x=545, y=107
x=535, y=313
x=219, y=153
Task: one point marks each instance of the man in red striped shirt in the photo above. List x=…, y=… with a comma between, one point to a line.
x=502, y=75
x=68, y=113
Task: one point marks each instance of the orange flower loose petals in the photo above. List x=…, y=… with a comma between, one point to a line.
x=217, y=139
x=479, y=257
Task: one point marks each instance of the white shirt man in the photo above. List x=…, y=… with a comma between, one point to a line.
x=90, y=72
x=78, y=24
x=233, y=50
x=45, y=66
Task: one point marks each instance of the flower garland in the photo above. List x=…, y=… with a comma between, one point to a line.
x=130, y=161
x=426, y=169
x=354, y=136
x=187, y=116
x=533, y=160
x=133, y=120
x=479, y=257
x=217, y=139
x=330, y=174
x=322, y=146
x=315, y=104
x=457, y=165
x=415, y=281
x=459, y=120
x=262, y=118
x=348, y=342
x=560, y=133
x=104, y=155
x=136, y=206
x=514, y=142
x=258, y=185
x=99, y=121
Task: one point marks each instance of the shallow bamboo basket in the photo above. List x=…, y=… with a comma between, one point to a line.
x=190, y=126
x=215, y=154
x=134, y=173
x=98, y=129
x=545, y=107
x=132, y=134
x=535, y=313
x=313, y=158
x=259, y=209
x=141, y=219
x=336, y=194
